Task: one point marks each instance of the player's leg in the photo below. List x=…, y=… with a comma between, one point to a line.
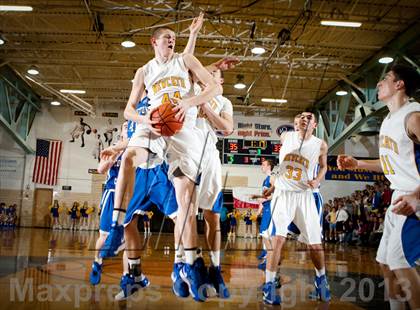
x=187, y=225
x=307, y=220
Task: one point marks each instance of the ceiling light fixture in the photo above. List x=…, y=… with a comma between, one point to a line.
x=341, y=93
x=337, y=23
x=240, y=82
x=33, y=70
x=258, y=50
x=2, y=41
x=55, y=102
x=272, y=100
x=15, y=8
x=72, y=91
x=386, y=60
x=128, y=43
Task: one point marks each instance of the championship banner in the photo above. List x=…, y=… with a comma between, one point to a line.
x=360, y=175
x=242, y=197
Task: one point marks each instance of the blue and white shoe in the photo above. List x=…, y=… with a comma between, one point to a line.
x=179, y=287
x=270, y=295
x=190, y=274
x=129, y=285
x=216, y=280
x=322, y=289
x=262, y=265
x=114, y=243
x=95, y=274
x=263, y=254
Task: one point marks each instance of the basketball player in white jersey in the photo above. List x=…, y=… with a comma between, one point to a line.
x=166, y=79
x=293, y=200
x=399, y=151
x=217, y=114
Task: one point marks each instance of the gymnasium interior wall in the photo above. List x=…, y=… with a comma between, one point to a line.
x=16, y=184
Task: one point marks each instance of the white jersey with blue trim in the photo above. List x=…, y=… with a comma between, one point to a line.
x=167, y=80
x=399, y=155
x=297, y=162
x=218, y=104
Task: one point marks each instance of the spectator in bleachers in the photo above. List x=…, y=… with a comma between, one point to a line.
x=331, y=219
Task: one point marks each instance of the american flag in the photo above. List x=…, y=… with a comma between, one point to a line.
x=48, y=153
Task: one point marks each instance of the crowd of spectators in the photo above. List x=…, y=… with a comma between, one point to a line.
x=8, y=217
x=358, y=218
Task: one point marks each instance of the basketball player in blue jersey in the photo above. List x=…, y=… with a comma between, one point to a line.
x=399, y=151
x=111, y=167
x=264, y=209
x=293, y=201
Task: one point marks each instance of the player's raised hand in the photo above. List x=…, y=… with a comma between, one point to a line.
x=197, y=23
x=346, y=162
x=226, y=63
x=406, y=204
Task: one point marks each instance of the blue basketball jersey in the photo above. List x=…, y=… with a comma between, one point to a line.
x=111, y=178
x=266, y=185
x=142, y=108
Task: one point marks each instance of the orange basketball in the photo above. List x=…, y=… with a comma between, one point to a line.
x=167, y=123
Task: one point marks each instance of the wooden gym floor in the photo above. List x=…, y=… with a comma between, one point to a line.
x=45, y=269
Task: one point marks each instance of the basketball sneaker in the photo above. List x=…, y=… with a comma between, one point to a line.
x=196, y=286
x=130, y=284
x=95, y=274
x=270, y=295
x=179, y=287
x=216, y=280
x=322, y=289
x=114, y=243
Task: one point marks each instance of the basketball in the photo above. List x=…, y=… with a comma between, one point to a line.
x=88, y=132
x=94, y=130
x=167, y=123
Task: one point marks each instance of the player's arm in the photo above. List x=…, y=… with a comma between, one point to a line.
x=105, y=164
x=348, y=162
x=413, y=127
x=110, y=153
x=223, y=64
x=222, y=122
x=211, y=88
x=195, y=28
x=322, y=161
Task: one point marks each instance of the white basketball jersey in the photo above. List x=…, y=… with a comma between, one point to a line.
x=218, y=104
x=399, y=155
x=296, y=167
x=167, y=80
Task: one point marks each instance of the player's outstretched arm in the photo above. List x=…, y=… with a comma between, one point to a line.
x=223, y=64
x=195, y=28
x=222, y=122
x=348, y=162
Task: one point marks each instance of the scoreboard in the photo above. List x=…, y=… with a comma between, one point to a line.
x=247, y=152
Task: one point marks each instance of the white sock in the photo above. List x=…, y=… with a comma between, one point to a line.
x=98, y=260
x=396, y=304
x=117, y=216
x=132, y=262
x=264, y=247
x=190, y=255
x=179, y=253
x=270, y=276
x=320, y=272
x=215, y=258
